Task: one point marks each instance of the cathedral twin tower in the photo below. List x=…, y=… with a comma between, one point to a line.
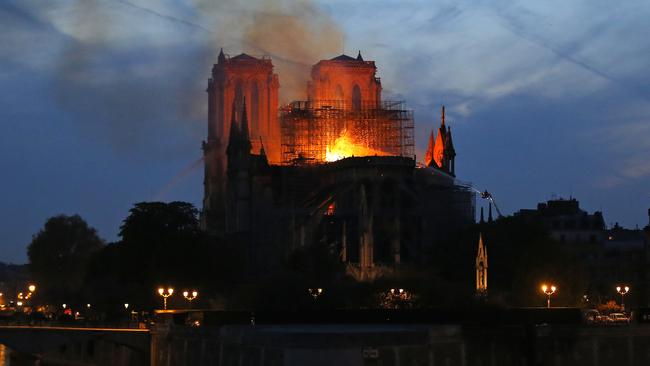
x=344, y=97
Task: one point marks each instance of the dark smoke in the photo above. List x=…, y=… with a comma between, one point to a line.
x=120, y=79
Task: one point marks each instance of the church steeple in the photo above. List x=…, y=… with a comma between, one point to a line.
x=439, y=146
x=263, y=153
x=450, y=152
x=481, y=268
x=359, y=58
x=490, y=211
x=244, y=125
x=234, y=130
x=239, y=143
x=221, y=58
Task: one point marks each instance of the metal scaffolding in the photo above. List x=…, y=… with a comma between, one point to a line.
x=309, y=127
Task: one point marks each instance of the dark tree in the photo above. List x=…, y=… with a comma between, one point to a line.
x=59, y=253
x=159, y=221
x=161, y=245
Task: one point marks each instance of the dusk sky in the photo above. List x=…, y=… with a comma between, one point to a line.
x=103, y=102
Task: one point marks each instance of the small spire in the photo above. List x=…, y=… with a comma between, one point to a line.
x=481, y=245
x=490, y=212
x=222, y=58
x=359, y=58
x=234, y=133
x=262, y=152
x=245, y=137
x=443, y=115
x=244, y=121
x=233, y=119
x=449, y=144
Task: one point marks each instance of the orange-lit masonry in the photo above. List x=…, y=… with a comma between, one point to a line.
x=337, y=168
x=344, y=116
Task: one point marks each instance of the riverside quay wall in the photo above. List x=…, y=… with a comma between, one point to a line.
x=529, y=337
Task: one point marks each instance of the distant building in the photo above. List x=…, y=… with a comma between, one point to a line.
x=610, y=257
x=623, y=260
x=566, y=222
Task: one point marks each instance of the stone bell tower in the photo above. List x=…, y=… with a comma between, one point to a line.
x=233, y=80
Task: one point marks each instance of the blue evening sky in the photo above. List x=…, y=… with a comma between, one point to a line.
x=103, y=103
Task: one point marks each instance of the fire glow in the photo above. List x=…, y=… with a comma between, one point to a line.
x=344, y=147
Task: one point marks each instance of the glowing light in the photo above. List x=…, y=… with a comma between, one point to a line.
x=344, y=147
x=190, y=295
x=315, y=292
x=31, y=288
x=331, y=209
x=161, y=292
x=548, y=291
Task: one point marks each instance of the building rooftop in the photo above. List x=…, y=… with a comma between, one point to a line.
x=243, y=56
x=343, y=57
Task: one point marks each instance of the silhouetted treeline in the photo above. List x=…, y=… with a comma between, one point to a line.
x=161, y=245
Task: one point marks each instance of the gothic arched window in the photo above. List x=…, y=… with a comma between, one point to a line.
x=338, y=94
x=356, y=97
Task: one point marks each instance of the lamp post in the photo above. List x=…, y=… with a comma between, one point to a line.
x=622, y=290
x=548, y=291
x=189, y=296
x=165, y=295
x=315, y=292
x=398, y=292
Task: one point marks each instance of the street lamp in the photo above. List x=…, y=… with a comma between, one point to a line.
x=548, y=291
x=31, y=288
x=189, y=296
x=622, y=290
x=315, y=292
x=126, y=306
x=165, y=295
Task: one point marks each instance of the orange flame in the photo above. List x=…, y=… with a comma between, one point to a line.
x=344, y=147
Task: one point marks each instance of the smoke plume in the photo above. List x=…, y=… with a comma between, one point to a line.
x=136, y=73
x=296, y=34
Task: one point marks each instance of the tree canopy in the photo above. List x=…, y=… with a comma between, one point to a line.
x=58, y=255
x=161, y=244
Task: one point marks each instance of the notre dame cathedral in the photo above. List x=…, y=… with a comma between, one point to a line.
x=337, y=168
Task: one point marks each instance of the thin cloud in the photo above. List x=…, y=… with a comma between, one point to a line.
x=164, y=16
x=521, y=30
